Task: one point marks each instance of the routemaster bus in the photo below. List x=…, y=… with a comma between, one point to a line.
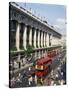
x=41, y=68
x=43, y=65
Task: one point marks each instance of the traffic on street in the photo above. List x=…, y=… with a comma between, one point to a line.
x=56, y=76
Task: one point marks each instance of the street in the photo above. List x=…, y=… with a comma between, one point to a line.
x=57, y=76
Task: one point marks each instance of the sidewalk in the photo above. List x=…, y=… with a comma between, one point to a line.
x=26, y=66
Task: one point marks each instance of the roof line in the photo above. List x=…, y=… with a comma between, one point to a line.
x=33, y=16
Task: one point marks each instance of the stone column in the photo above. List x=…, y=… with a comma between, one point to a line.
x=18, y=36
x=35, y=38
x=42, y=39
x=25, y=36
x=51, y=39
x=47, y=40
x=39, y=39
x=30, y=36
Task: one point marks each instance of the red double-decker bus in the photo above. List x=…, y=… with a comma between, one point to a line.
x=42, y=66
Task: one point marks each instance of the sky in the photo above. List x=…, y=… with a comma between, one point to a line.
x=55, y=15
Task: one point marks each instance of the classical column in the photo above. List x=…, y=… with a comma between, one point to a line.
x=18, y=36
x=47, y=40
x=35, y=38
x=51, y=39
x=41, y=39
x=44, y=39
x=30, y=36
x=25, y=36
x=38, y=38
